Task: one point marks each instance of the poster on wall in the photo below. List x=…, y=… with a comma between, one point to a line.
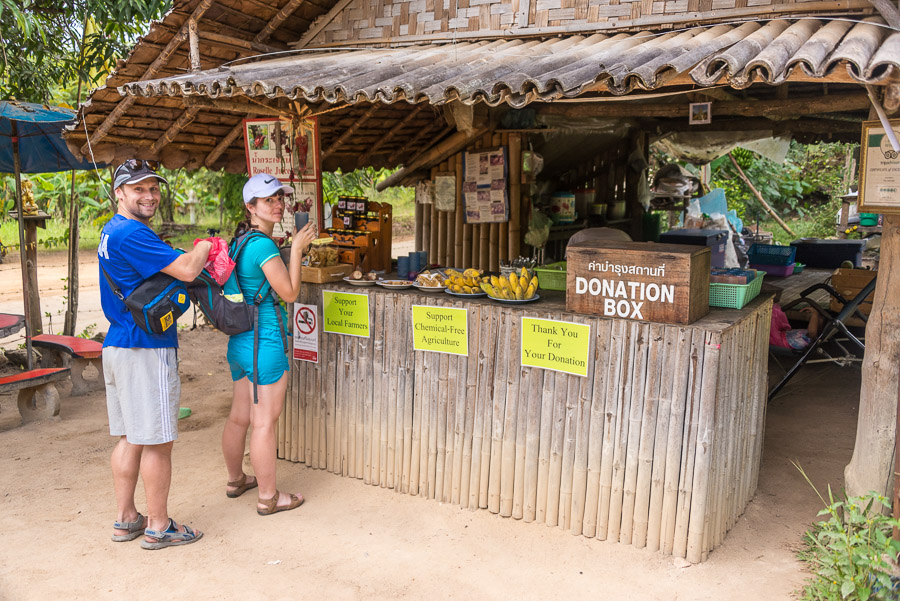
x=289, y=151
x=485, y=189
x=879, y=169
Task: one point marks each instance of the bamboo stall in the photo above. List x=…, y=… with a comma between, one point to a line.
x=658, y=447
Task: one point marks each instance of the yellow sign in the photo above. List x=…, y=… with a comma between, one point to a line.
x=440, y=329
x=346, y=313
x=557, y=345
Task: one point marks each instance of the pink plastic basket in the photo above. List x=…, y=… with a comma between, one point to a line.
x=781, y=271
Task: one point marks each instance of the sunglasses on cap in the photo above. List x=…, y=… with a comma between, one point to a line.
x=137, y=165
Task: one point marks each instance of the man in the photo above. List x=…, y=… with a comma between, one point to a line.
x=142, y=384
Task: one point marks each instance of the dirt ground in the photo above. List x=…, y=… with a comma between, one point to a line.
x=353, y=541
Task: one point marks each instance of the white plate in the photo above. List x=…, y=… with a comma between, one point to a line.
x=516, y=301
x=429, y=288
x=394, y=284
x=359, y=282
x=473, y=295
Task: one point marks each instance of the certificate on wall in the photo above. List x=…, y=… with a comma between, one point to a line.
x=485, y=186
x=879, y=170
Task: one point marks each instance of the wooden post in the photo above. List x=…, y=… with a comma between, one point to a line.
x=460, y=229
x=869, y=468
x=515, y=195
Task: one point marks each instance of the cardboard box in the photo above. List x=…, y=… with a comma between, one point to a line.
x=848, y=283
x=324, y=275
x=665, y=283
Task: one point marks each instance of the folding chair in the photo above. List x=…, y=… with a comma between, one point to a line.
x=833, y=331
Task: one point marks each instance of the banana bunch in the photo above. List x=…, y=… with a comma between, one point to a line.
x=518, y=286
x=467, y=282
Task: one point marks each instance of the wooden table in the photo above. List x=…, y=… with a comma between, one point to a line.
x=658, y=446
x=793, y=285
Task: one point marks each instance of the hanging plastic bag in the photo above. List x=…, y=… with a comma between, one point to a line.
x=219, y=264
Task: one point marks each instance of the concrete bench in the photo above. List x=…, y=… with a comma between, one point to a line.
x=38, y=397
x=80, y=353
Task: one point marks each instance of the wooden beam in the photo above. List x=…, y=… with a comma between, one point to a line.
x=193, y=45
x=183, y=121
x=415, y=139
x=233, y=135
x=774, y=108
x=286, y=11
x=151, y=71
x=435, y=154
x=320, y=23
x=887, y=10
x=390, y=134
x=351, y=130
x=236, y=44
x=233, y=106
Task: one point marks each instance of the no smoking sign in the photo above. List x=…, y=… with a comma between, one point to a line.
x=306, y=333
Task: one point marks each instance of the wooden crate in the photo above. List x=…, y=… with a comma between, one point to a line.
x=324, y=275
x=665, y=283
x=848, y=283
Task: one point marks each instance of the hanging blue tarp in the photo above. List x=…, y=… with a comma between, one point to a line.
x=41, y=146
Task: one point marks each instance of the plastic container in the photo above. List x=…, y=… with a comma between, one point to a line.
x=714, y=239
x=828, y=254
x=551, y=279
x=781, y=271
x=771, y=254
x=868, y=219
x=562, y=207
x=616, y=210
x=735, y=296
x=798, y=268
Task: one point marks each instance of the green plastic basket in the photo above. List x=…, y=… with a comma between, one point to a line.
x=735, y=296
x=552, y=279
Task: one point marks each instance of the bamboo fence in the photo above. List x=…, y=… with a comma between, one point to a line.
x=658, y=447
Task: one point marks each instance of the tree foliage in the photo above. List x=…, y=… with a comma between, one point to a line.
x=41, y=42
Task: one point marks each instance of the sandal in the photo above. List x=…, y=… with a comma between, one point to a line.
x=242, y=486
x=272, y=504
x=170, y=537
x=135, y=529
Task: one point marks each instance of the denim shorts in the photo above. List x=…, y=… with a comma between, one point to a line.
x=272, y=361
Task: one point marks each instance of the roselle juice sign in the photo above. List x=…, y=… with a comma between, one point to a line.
x=666, y=283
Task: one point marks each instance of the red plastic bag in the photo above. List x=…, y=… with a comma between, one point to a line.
x=218, y=264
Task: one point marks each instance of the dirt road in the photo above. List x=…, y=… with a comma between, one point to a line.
x=352, y=541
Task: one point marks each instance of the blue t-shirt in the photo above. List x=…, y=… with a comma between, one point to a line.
x=131, y=252
x=257, y=252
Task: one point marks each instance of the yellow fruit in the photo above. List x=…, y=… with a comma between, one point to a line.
x=467, y=289
x=520, y=295
x=471, y=273
x=524, y=273
x=513, y=280
x=488, y=288
x=456, y=288
x=529, y=292
x=453, y=273
x=534, y=282
x=495, y=281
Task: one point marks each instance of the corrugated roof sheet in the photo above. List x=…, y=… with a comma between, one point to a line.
x=519, y=71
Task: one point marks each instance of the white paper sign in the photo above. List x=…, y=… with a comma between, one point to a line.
x=306, y=333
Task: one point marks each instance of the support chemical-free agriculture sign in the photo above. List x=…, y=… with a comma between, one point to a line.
x=440, y=329
x=306, y=333
x=557, y=345
x=346, y=313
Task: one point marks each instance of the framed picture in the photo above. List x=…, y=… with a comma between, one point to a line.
x=700, y=113
x=879, y=169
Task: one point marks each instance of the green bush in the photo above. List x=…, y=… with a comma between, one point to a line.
x=848, y=552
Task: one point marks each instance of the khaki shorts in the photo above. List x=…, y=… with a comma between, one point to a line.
x=143, y=392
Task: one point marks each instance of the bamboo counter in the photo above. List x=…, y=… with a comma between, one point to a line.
x=658, y=447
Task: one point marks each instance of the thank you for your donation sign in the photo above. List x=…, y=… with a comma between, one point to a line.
x=346, y=313
x=440, y=329
x=556, y=345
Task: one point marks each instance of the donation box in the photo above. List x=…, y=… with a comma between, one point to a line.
x=665, y=283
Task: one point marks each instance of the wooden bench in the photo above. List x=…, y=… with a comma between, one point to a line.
x=80, y=352
x=38, y=396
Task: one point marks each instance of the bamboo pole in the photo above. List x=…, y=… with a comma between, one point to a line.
x=635, y=428
x=663, y=414
x=426, y=231
x=494, y=247
x=533, y=444
x=460, y=230
x=501, y=374
x=438, y=442
x=471, y=386
x=648, y=435
x=557, y=441
x=503, y=241
x=459, y=423
x=510, y=417
x=602, y=330
x=391, y=433
x=372, y=472
x=620, y=448
x=582, y=443
x=570, y=434
x=689, y=448
x=546, y=434
x=515, y=195
x=408, y=385
x=441, y=224
x=611, y=412
x=759, y=197
x=521, y=443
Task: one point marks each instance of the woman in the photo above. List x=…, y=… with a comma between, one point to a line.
x=258, y=265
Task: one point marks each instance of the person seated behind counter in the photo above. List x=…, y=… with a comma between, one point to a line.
x=260, y=270
x=143, y=389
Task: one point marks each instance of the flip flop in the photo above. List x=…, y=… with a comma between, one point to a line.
x=242, y=486
x=272, y=504
x=172, y=536
x=135, y=529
